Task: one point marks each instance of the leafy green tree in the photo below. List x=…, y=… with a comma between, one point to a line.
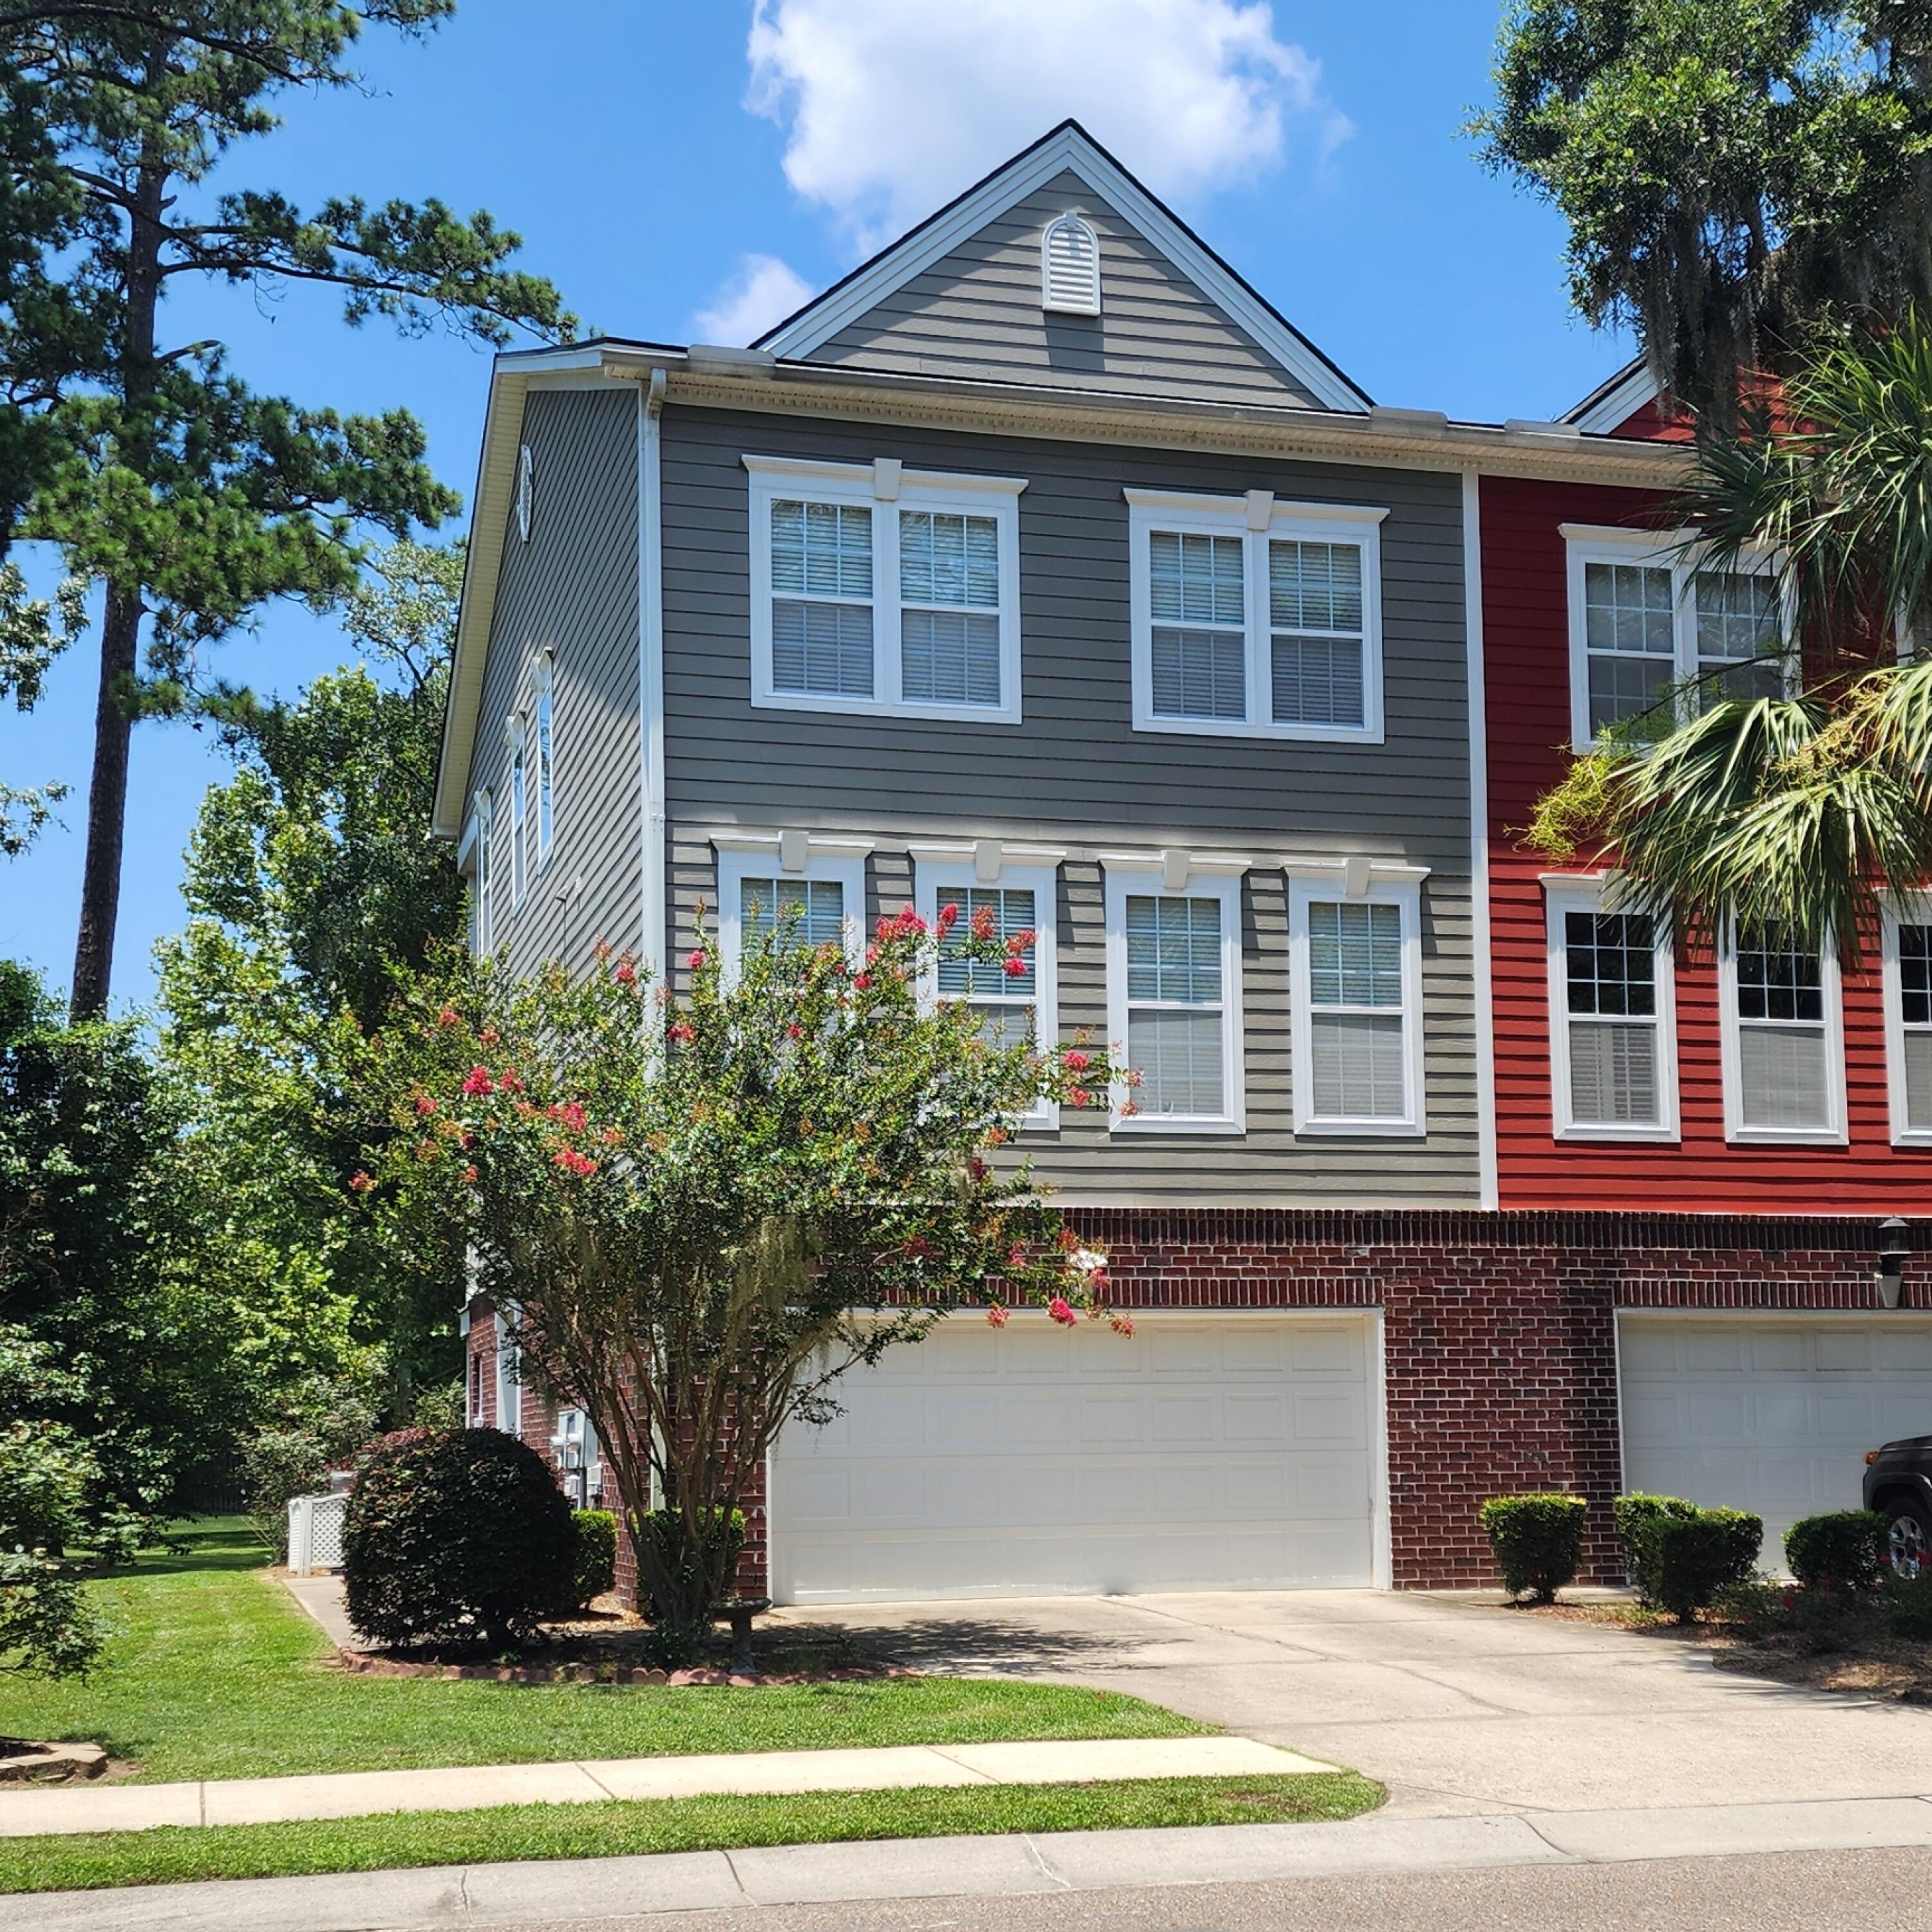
x=696, y=1220
x=157, y=473
x=1802, y=814
x=1731, y=170
x=312, y=881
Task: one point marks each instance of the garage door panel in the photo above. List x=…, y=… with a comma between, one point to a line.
x=1201, y=1454
x=1769, y=1414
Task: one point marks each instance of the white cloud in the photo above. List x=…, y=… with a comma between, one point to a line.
x=764, y=290
x=893, y=106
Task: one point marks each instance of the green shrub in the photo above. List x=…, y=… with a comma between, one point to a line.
x=1697, y=1558
x=457, y=1537
x=1846, y=1550
x=1908, y=1607
x=1637, y=1517
x=666, y=1528
x=1537, y=1541
x=596, y=1571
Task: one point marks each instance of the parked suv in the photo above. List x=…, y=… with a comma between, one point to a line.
x=1898, y=1485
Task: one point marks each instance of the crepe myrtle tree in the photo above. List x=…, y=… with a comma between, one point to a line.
x=698, y=1212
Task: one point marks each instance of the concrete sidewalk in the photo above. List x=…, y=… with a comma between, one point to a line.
x=563, y=1891
x=261, y=1800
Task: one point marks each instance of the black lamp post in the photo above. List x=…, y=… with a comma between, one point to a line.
x=1893, y=1247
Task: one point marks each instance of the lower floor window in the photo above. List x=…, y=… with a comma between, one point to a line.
x=1786, y=1070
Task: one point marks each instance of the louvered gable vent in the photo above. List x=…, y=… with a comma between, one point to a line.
x=1069, y=267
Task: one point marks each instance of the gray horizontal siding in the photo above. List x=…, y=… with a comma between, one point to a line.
x=572, y=589
x=1076, y=775
x=976, y=313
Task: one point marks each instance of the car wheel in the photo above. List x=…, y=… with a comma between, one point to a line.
x=1909, y=1539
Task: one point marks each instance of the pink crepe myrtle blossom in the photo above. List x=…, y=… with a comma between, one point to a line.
x=1122, y=1324
x=571, y=1162
x=696, y=958
x=996, y=1315
x=1076, y=1063
x=425, y=1105
x=1014, y=967
x=681, y=1031
x=1078, y=1096
x=1059, y=1310
x=626, y=974
x=448, y=1017
x=361, y=1183
x=982, y=923
x=949, y=916
x=478, y=1084
x=469, y=1176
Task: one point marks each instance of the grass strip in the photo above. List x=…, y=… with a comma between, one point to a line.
x=214, y=1671
x=171, y=1854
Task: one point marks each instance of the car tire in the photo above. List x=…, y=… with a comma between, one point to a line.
x=1909, y=1538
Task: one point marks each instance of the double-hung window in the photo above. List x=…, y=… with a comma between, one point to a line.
x=520, y=856
x=1174, y=999
x=1018, y=899
x=1783, y=1043
x=509, y=1380
x=483, y=883
x=543, y=718
x=1612, y=1019
x=879, y=588
x=1647, y=621
x=1355, y=999
x=819, y=899
x=1256, y=618
x=1907, y=972
x=503, y=868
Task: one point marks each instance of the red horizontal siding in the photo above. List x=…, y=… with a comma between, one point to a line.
x=1527, y=677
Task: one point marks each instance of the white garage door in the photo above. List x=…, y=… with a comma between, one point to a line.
x=1768, y=1415
x=1215, y=1453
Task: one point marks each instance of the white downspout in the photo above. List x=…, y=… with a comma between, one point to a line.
x=1479, y=843
x=650, y=675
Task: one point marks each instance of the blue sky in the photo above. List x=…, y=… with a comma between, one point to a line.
x=682, y=171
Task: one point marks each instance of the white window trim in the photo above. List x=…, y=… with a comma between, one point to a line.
x=1832, y=1133
x=767, y=858
x=884, y=487
x=1196, y=881
x=483, y=877
x=937, y=879
x=509, y=1389
x=1256, y=518
x=1564, y=893
x=516, y=744
x=1916, y=911
x=539, y=770
x=1367, y=882
x=1654, y=550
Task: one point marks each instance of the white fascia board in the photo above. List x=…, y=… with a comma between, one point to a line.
x=1609, y=408
x=1069, y=149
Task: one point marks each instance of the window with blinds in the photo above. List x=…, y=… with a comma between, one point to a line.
x=482, y=934
x=1357, y=1057
x=1611, y=1019
x=1315, y=633
x=821, y=575
x=519, y=823
x=1069, y=267
x=1175, y=995
x=1198, y=595
x=949, y=608
x=809, y=912
x=1003, y=1000
x=546, y=783
x=1784, y=1079
x=1915, y=999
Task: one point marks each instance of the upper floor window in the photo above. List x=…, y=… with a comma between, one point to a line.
x=1256, y=618
x=820, y=898
x=1173, y=1000
x=1612, y=1022
x=1645, y=622
x=1070, y=266
x=1018, y=900
x=1783, y=1043
x=520, y=866
x=483, y=883
x=544, y=734
x=509, y=1380
x=1355, y=1002
x=526, y=493
x=1907, y=972
x=875, y=588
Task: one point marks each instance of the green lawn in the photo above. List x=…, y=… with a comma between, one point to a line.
x=214, y=1671
x=668, y=1824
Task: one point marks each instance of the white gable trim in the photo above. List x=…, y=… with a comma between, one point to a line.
x=1607, y=409
x=1067, y=147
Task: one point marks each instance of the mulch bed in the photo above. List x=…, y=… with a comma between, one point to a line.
x=1860, y=1663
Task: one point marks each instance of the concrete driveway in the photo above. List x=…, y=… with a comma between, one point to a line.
x=1457, y=1707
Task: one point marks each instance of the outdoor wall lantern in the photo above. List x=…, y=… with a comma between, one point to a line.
x=1893, y=1247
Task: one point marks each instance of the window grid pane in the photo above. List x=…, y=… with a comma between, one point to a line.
x=1179, y=1057
x=1174, y=950
x=950, y=657
x=1781, y=1076
x=822, y=550
x=822, y=903
x=823, y=649
x=1613, y=1072
x=1197, y=597
x=1316, y=680
x=1610, y=961
x=1739, y=633
x=1776, y=980
x=1914, y=973
x=1354, y=954
x=1630, y=637
x=1012, y=911
x=1315, y=586
x=953, y=561
x=1358, y=1072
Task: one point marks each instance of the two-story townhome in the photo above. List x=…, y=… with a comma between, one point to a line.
x=1040, y=566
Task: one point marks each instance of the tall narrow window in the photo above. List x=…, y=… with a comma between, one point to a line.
x=509, y=1380
x=1355, y=1004
x=1785, y=1076
x=545, y=760
x=822, y=598
x=1198, y=600
x=949, y=608
x=1908, y=1000
x=519, y=820
x=1315, y=627
x=503, y=868
x=1174, y=997
x=483, y=937
x=1069, y=267
x=475, y=1388
x=1612, y=1058
x=1629, y=621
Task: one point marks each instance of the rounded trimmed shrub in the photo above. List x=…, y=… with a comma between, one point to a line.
x=1697, y=1558
x=594, y=1571
x=1637, y=1517
x=1846, y=1550
x=455, y=1538
x=1537, y=1541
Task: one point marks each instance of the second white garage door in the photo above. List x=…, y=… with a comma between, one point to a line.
x=1221, y=1452
x=1773, y=1416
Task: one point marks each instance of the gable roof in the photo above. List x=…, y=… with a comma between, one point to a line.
x=1067, y=147
x=1611, y=403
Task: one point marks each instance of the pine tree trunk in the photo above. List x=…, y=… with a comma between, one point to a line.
x=107, y=804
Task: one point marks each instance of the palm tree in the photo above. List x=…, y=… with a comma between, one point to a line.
x=1803, y=813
